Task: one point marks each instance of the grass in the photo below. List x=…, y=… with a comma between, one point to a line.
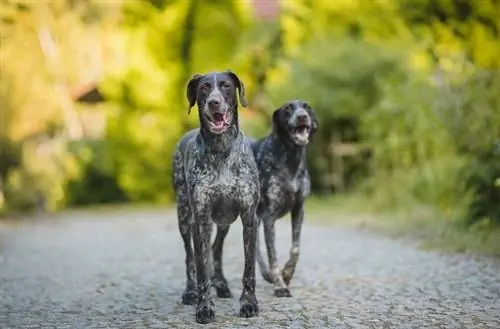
x=432, y=230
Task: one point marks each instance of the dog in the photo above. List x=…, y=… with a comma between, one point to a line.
x=215, y=179
x=285, y=184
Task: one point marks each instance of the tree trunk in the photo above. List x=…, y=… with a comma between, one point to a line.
x=73, y=125
x=186, y=50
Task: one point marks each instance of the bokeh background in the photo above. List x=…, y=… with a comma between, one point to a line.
x=407, y=93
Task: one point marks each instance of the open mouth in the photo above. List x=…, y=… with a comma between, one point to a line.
x=301, y=133
x=219, y=122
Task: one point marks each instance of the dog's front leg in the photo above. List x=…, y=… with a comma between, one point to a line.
x=280, y=289
x=202, y=232
x=297, y=219
x=218, y=279
x=249, y=306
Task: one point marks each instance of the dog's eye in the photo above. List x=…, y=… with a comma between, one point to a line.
x=205, y=87
x=226, y=85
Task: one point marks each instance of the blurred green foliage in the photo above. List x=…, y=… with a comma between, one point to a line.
x=166, y=45
x=415, y=81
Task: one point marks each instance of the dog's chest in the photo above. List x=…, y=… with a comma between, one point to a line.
x=283, y=190
x=224, y=184
x=224, y=177
x=227, y=184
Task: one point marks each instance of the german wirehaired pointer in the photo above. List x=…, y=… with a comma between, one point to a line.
x=285, y=184
x=215, y=179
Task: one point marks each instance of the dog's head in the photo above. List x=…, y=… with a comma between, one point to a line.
x=295, y=122
x=216, y=97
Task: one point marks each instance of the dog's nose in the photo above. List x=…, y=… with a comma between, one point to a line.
x=302, y=117
x=214, y=103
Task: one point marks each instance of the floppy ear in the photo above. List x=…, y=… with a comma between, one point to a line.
x=192, y=87
x=315, y=124
x=276, y=120
x=240, y=86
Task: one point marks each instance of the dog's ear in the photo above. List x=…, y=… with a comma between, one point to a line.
x=240, y=86
x=314, y=121
x=191, y=91
x=315, y=124
x=277, y=120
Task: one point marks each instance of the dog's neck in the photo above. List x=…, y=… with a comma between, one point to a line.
x=220, y=144
x=288, y=154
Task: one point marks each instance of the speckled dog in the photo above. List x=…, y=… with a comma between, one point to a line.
x=216, y=179
x=285, y=184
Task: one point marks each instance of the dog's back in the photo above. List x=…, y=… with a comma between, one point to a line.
x=254, y=144
x=186, y=140
x=180, y=158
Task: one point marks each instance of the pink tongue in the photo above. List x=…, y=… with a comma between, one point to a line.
x=219, y=120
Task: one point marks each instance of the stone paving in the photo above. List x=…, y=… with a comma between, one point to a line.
x=126, y=270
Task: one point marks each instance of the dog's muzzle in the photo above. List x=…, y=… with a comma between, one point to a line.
x=219, y=122
x=218, y=116
x=300, y=124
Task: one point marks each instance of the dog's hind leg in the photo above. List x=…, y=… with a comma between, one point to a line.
x=264, y=268
x=218, y=279
x=280, y=288
x=297, y=216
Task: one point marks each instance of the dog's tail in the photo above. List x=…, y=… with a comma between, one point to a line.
x=263, y=266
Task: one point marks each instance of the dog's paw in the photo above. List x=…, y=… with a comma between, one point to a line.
x=249, y=307
x=223, y=292
x=282, y=292
x=189, y=297
x=205, y=311
x=287, y=275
